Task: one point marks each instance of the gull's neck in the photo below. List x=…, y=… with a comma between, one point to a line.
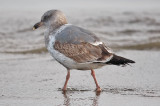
x=52, y=31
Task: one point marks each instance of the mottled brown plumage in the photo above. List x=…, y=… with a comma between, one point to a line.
x=81, y=53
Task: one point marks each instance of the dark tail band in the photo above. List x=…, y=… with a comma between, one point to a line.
x=118, y=60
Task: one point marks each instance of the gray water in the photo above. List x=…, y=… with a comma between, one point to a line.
x=123, y=24
x=115, y=29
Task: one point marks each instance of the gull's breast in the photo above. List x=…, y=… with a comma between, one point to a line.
x=61, y=58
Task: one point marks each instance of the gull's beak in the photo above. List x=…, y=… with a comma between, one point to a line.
x=37, y=25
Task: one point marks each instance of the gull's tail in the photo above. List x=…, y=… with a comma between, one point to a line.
x=118, y=60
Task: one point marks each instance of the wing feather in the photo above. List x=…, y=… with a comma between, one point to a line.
x=81, y=53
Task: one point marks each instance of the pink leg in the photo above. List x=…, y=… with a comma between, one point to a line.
x=67, y=78
x=98, y=89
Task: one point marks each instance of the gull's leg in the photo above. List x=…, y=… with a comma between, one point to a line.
x=67, y=78
x=98, y=89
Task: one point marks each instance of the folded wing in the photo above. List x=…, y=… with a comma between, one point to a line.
x=83, y=52
x=81, y=45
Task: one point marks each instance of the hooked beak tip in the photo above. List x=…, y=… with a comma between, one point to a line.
x=33, y=28
x=37, y=25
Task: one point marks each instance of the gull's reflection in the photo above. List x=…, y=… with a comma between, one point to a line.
x=96, y=98
x=67, y=100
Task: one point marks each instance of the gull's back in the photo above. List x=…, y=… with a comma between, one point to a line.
x=75, y=35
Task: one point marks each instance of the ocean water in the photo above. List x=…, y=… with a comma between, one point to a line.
x=120, y=24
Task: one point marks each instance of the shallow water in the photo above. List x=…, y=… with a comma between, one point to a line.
x=115, y=29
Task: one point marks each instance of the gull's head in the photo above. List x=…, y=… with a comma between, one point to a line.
x=51, y=19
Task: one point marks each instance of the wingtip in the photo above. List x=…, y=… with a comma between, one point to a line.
x=131, y=61
x=118, y=60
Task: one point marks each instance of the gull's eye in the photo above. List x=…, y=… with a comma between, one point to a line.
x=45, y=18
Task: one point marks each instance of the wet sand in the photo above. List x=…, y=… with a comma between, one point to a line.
x=37, y=80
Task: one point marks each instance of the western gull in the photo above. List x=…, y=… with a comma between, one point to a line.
x=75, y=47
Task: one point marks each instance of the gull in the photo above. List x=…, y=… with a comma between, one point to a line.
x=75, y=47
